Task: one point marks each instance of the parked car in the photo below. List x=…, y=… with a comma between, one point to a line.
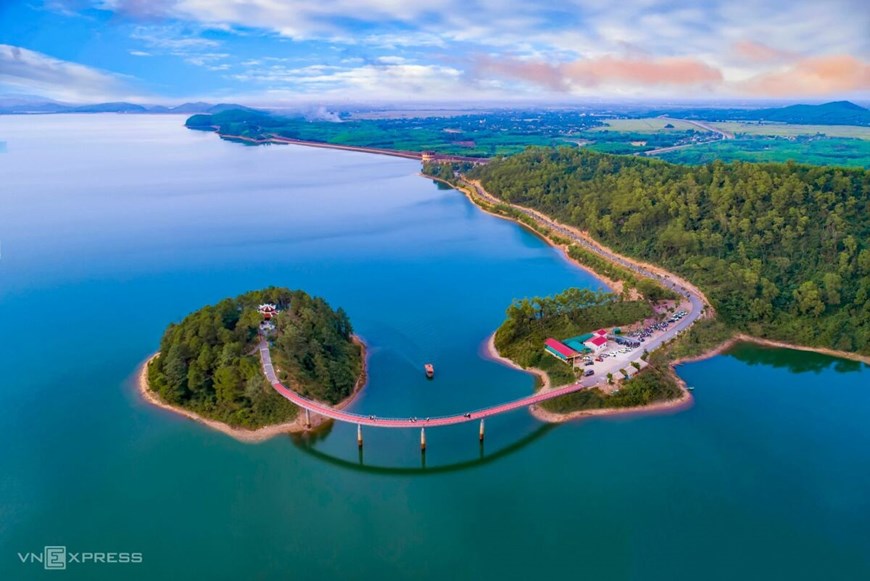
x=588, y=372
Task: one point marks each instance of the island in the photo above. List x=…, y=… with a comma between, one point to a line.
x=208, y=366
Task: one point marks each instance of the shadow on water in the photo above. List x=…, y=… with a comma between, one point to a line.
x=305, y=443
x=791, y=359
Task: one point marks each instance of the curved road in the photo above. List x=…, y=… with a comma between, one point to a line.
x=330, y=412
x=696, y=300
x=608, y=366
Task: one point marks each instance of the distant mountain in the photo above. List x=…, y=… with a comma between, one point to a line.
x=834, y=113
x=198, y=107
x=110, y=108
x=30, y=104
x=24, y=104
x=221, y=107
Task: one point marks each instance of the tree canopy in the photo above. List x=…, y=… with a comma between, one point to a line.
x=782, y=250
x=209, y=363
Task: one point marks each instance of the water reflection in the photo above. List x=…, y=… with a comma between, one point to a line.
x=791, y=359
x=306, y=445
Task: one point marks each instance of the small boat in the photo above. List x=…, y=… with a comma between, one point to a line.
x=430, y=370
x=691, y=388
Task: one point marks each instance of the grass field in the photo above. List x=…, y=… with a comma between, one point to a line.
x=648, y=125
x=784, y=130
x=819, y=151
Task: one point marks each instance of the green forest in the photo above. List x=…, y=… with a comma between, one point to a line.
x=209, y=363
x=781, y=250
x=573, y=312
x=508, y=132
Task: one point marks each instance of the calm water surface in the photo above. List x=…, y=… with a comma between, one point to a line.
x=119, y=225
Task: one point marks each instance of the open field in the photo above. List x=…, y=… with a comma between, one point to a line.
x=819, y=151
x=781, y=129
x=647, y=125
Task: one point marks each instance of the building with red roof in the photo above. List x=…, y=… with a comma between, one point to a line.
x=560, y=351
x=596, y=343
x=601, y=332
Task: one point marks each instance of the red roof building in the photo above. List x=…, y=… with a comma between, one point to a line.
x=601, y=332
x=596, y=343
x=559, y=350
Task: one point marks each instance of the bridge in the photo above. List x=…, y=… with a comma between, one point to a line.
x=696, y=299
x=311, y=406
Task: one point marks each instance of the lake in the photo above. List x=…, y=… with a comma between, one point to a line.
x=118, y=225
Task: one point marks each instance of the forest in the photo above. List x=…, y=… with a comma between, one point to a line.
x=573, y=312
x=209, y=363
x=781, y=250
x=570, y=313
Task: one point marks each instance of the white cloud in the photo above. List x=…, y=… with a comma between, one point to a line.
x=27, y=71
x=182, y=42
x=444, y=36
x=361, y=82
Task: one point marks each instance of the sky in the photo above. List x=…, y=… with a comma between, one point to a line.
x=274, y=51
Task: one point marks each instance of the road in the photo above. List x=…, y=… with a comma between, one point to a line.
x=695, y=299
x=379, y=422
x=610, y=365
x=700, y=124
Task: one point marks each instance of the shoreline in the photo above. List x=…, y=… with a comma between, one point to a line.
x=245, y=435
x=614, y=285
x=738, y=338
x=685, y=400
x=744, y=338
x=489, y=351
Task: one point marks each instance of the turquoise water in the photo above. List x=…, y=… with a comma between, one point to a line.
x=120, y=225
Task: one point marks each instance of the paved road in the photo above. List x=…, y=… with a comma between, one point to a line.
x=696, y=300
x=608, y=366
x=330, y=412
x=722, y=133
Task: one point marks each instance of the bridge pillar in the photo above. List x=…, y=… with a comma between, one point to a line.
x=422, y=439
x=359, y=435
x=307, y=418
x=481, y=429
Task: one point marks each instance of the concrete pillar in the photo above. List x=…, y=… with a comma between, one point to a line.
x=307, y=418
x=359, y=435
x=481, y=429
x=422, y=439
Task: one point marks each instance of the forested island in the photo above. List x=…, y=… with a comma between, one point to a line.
x=208, y=363
x=781, y=250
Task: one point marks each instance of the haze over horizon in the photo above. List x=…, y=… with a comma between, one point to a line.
x=262, y=51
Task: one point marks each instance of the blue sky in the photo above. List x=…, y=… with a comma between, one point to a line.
x=270, y=51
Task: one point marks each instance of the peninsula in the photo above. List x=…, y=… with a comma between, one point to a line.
x=764, y=289
x=208, y=366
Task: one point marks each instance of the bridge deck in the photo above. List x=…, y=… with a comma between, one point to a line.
x=342, y=416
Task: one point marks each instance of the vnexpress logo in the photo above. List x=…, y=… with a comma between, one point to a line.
x=56, y=558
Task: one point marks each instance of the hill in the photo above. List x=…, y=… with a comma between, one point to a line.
x=109, y=108
x=208, y=363
x=834, y=113
x=782, y=250
x=24, y=104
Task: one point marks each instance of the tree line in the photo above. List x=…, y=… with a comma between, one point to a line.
x=782, y=250
x=209, y=364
